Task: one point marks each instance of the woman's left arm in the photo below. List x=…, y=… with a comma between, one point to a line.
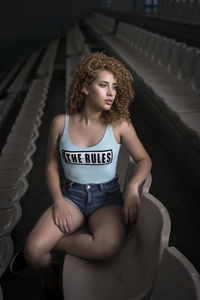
x=142, y=169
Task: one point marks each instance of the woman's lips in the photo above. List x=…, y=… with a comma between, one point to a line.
x=109, y=101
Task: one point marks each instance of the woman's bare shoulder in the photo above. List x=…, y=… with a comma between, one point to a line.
x=121, y=124
x=58, y=123
x=118, y=127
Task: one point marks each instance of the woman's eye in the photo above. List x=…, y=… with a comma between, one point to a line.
x=102, y=85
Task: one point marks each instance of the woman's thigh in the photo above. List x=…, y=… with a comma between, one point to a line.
x=46, y=233
x=107, y=227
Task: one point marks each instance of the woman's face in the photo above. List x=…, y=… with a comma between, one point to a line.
x=101, y=93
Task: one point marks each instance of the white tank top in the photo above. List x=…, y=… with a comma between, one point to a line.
x=96, y=164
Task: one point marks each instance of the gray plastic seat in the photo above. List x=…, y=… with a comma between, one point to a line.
x=130, y=274
x=19, y=81
x=173, y=84
x=75, y=40
x=9, y=218
x=27, y=148
x=177, y=278
x=48, y=58
x=161, y=63
x=8, y=196
x=6, y=252
x=185, y=98
x=71, y=61
x=10, y=75
x=13, y=178
x=21, y=135
x=151, y=80
x=16, y=161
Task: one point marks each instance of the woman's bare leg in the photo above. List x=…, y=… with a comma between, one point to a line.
x=43, y=238
x=106, y=238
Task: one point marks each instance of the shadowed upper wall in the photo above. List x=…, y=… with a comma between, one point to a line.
x=37, y=20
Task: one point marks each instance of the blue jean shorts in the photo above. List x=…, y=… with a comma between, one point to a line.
x=87, y=198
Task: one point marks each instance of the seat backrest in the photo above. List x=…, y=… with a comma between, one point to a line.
x=149, y=46
x=156, y=51
x=153, y=223
x=196, y=75
x=122, y=166
x=142, y=40
x=126, y=169
x=187, y=64
x=165, y=52
x=130, y=273
x=175, y=57
x=122, y=30
x=135, y=36
x=176, y=278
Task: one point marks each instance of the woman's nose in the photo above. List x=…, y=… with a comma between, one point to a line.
x=110, y=91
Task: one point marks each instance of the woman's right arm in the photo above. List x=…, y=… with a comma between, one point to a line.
x=61, y=214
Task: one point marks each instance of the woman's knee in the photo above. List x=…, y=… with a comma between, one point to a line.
x=109, y=247
x=33, y=250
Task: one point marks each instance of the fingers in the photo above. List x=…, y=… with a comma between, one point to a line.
x=129, y=215
x=65, y=225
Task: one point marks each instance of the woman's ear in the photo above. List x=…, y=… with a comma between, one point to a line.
x=85, y=90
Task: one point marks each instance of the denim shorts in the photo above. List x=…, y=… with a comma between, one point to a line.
x=90, y=197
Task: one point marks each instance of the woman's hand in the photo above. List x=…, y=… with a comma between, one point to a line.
x=62, y=216
x=131, y=204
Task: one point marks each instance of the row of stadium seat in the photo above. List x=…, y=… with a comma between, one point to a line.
x=74, y=40
x=80, y=50
x=167, y=72
x=16, y=156
x=12, y=84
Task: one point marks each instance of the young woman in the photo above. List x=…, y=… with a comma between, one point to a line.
x=87, y=139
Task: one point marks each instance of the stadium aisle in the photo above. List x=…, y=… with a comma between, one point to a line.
x=166, y=186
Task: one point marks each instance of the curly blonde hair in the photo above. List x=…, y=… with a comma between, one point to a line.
x=85, y=73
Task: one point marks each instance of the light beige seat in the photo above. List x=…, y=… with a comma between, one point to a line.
x=131, y=273
x=9, y=218
x=177, y=278
x=10, y=75
x=74, y=40
x=16, y=161
x=48, y=58
x=8, y=196
x=6, y=252
x=27, y=148
x=13, y=179
x=19, y=81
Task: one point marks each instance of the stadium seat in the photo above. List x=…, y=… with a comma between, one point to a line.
x=9, y=218
x=6, y=252
x=131, y=273
x=176, y=278
x=75, y=40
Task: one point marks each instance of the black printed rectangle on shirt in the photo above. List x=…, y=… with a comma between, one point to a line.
x=103, y=157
